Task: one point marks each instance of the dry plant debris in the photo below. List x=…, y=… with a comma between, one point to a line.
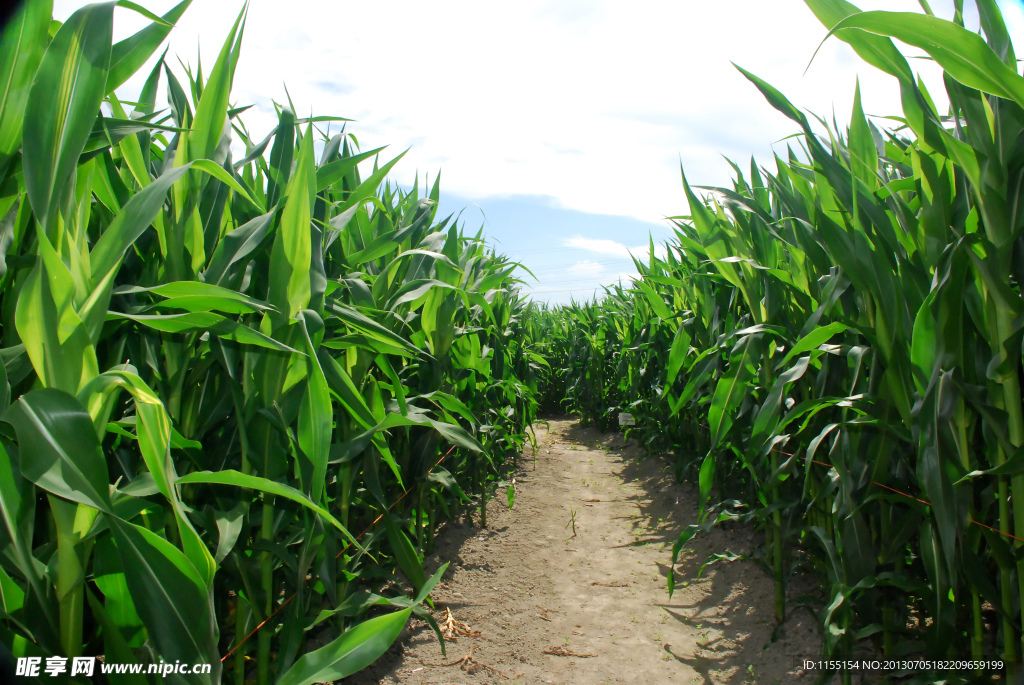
x=596, y=582
x=564, y=651
x=451, y=628
x=471, y=665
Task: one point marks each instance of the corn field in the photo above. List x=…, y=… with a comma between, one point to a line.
x=237, y=394
x=831, y=349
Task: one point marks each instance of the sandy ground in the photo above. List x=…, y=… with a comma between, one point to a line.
x=545, y=605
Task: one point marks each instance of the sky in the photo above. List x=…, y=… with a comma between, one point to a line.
x=558, y=126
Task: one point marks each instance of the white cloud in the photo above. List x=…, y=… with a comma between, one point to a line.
x=595, y=103
x=586, y=268
x=599, y=245
x=625, y=277
x=613, y=248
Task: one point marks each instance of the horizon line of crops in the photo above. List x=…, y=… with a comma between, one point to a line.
x=215, y=369
x=833, y=351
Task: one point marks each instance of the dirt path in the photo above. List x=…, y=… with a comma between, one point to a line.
x=548, y=606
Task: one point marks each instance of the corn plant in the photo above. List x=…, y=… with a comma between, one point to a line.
x=217, y=371
x=831, y=350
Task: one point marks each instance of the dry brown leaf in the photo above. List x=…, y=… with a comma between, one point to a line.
x=610, y=584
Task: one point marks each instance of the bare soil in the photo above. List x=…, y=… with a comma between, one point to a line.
x=537, y=602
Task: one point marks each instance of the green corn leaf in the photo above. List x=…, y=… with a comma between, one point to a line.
x=863, y=154
x=330, y=174
x=170, y=596
x=17, y=508
x=706, y=480
x=369, y=327
x=136, y=216
x=109, y=578
x=1011, y=466
x=5, y=389
x=657, y=303
x=771, y=406
x=397, y=388
x=455, y=434
x=444, y=477
x=924, y=352
x=405, y=554
x=964, y=55
x=229, y=525
x=813, y=340
x=281, y=153
x=110, y=131
x=114, y=643
x=24, y=42
x=54, y=336
x=217, y=171
x=380, y=246
x=341, y=383
x=356, y=649
x=452, y=404
x=7, y=234
x=431, y=583
x=292, y=252
x=242, y=480
x=65, y=99
x=198, y=303
x=995, y=30
x=211, y=112
x=731, y=389
x=234, y=247
x=154, y=433
x=777, y=99
x=368, y=188
x=60, y=452
x=200, y=297
x=677, y=355
x=207, y=322
x=874, y=49
x=413, y=290
x=128, y=56
x=315, y=414
x=704, y=367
